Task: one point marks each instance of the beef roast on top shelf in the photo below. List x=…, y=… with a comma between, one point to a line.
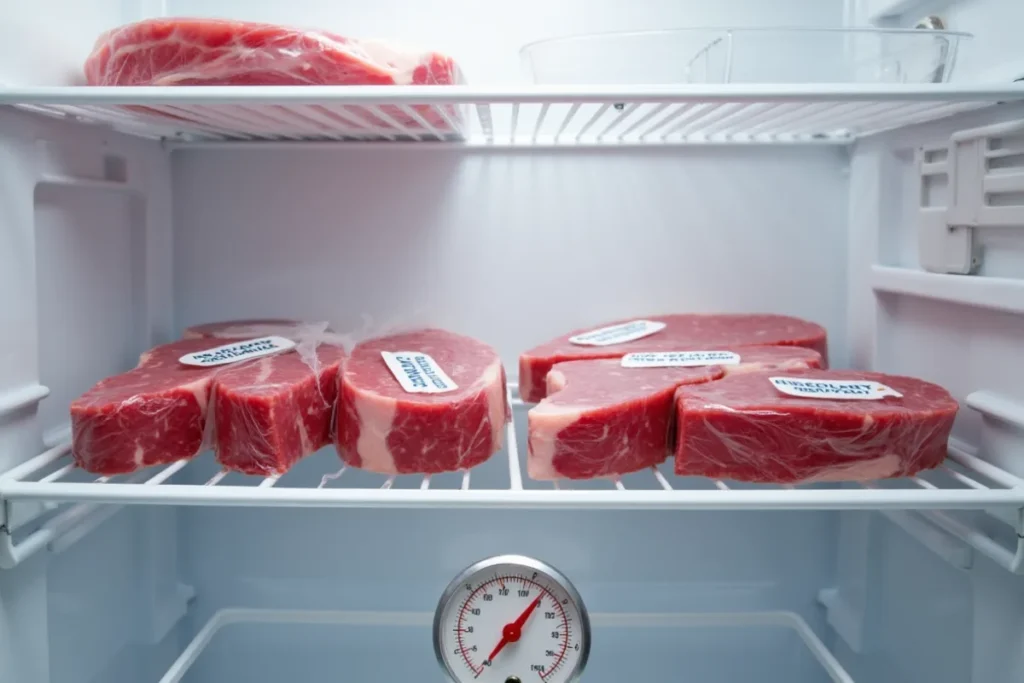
x=608, y=417
x=421, y=402
x=812, y=425
x=186, y=51
x=219, y=52
x=665, y=333
x=272, y=397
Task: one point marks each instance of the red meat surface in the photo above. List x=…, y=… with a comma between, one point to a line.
x=183, y=51
x=383, y=429
x=601, y=419
x=272, y=411
x=682, y=331
x=269, y=412
x=742, y=428
x=153, y=414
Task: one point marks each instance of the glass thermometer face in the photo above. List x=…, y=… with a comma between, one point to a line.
x=511, y=619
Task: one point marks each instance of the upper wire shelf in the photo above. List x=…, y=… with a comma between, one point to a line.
x=498, y=117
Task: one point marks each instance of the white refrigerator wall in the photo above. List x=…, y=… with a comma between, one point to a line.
x=485, y=35
x=511, y=247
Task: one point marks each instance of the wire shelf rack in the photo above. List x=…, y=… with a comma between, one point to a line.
x=965, y=482
x=499, y=117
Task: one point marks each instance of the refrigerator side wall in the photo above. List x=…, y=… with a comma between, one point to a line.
x=85, y=286
x=959, y=331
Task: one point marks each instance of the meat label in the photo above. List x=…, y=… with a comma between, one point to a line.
x=843, y=390
x=679, y=359
x=237, y=352
x=417, y=372
x=618, y=334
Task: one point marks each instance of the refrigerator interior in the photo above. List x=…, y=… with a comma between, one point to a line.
x=116, y=233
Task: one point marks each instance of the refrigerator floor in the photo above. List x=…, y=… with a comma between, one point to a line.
x=264, y=646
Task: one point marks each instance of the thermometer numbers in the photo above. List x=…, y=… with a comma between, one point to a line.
x=544, y=644
x=511, y=618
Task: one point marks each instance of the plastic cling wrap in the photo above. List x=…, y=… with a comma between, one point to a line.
x=666, y=333
x=271, y=412
x=745, y=429
x=260, y=413
x=412, y=425
x=218, y=52
x=602, y=418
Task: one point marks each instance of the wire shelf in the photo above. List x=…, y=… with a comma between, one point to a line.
x=964, y=482
x=51, y=480
x=496, y=117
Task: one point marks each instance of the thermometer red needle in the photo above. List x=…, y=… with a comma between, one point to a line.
x=512, y=632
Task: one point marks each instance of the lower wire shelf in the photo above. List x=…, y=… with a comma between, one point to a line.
x=257, y=645
x=49, y=503
x=964, y=482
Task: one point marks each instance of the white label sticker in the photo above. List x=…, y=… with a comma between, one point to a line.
x=679, y=359
x=417, y=372
x=618, y=334
x=238, y=351
x=849, y=390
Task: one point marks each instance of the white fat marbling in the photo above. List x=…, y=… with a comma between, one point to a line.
x=376, y=415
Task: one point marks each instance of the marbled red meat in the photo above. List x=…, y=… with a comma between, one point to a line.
x=382, y=428
x=268, y=412
x=272, y=411
x=743, y=428
x=682, y=331
x=602, y=419
x=183, y=51
x=153, y=414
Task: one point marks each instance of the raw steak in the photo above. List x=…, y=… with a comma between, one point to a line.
x=219, y=52
x=601, y=419
x=272, y=411
x=743, y=428
x=153, y=414
x=382, y=428
x=268, y=412
x=686, y=331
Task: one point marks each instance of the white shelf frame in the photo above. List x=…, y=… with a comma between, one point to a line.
x=969, y=483
x=151, y=487
x=228, y=617
x=496, y=117
x=964, y=482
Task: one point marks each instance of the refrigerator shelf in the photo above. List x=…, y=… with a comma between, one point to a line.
x=49, y=503
x=225, y=647
x=964, y=482
x=532, y=116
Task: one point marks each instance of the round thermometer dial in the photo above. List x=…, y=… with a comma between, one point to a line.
x=511, y=619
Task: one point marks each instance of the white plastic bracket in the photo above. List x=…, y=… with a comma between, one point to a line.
x=982, y=173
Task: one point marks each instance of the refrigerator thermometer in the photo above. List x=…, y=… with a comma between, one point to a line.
x=511, y=619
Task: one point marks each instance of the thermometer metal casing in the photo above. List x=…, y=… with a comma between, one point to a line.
x=483, y=605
